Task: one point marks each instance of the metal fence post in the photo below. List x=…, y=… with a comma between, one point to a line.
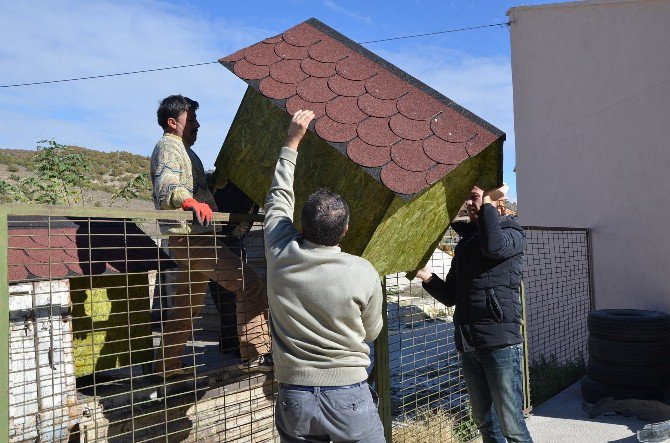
x=527, y=405
x=381, y=370
x=589, y=251
x=4, y=329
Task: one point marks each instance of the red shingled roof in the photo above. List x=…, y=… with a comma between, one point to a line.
x=406, y=134
x=50, y=249
x=30, y=255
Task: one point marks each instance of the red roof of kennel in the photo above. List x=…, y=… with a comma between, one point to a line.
x=404, y=133
x=41, y=248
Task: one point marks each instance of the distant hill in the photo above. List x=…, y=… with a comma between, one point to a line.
x=110, y=171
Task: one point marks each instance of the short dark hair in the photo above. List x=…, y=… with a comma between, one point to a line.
x=324, y=218
x=172, y=107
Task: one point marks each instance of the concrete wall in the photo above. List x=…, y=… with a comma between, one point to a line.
x=592, y=110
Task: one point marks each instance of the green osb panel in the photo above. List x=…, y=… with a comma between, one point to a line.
x=249, y=155
x=111, y=322
x=423, y=221
x=393, y=234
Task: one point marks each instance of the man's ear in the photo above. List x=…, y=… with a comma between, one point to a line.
x=172, y=123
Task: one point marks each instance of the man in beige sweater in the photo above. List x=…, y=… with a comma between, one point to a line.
x=178, y=179
x=324, y=306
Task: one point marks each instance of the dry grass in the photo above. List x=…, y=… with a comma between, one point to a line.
x=435, y=426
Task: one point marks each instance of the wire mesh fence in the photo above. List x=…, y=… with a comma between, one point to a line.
x=429, y=398
x=121, y=330
x=558, y=291
x=94, y=300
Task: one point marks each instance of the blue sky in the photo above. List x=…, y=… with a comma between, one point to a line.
x=56, y=40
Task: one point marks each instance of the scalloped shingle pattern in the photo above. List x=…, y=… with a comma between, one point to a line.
x=411, y=138
x=43, y=253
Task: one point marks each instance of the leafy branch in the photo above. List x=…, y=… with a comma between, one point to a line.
x=61, y=175
x=133, y=188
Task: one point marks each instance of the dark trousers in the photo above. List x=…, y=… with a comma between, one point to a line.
x=225, y=303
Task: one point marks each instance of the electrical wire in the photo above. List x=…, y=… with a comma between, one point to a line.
x=214, y=62
x=107, y=75
x=435, y=33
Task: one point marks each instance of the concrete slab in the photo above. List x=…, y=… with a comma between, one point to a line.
x=562, y=420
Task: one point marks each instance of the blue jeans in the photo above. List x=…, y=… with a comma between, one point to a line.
x=327, y=413
x=495, y=388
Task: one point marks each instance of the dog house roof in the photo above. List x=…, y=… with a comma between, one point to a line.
x=56, y=248
x=403, y=132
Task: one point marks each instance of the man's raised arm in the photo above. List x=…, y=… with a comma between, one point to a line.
x=280, y=201
x=495, y=242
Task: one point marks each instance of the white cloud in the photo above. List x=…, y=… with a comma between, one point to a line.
x=65, y=39
x=330, y=4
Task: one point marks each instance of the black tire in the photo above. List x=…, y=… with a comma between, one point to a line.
x=627, y=376
x=593, y=390
x=630, y=325
x=653, y=353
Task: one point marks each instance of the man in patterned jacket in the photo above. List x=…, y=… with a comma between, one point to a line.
x=179, y=183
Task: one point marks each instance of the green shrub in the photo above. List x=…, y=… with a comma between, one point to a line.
x=10, y=193
x=133, y=188
x=548, y=378
x=124, y=166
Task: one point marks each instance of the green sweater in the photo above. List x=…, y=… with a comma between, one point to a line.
x=324, y=303
x=176, y=175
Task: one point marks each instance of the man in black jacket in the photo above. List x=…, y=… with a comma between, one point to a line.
x=483, y=283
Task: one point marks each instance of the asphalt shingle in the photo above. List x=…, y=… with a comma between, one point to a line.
x=411, y=135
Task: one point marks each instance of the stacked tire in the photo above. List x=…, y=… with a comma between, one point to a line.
x=629, y=353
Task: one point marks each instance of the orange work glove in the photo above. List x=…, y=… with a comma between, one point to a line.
x=203, y=213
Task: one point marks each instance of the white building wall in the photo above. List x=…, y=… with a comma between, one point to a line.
x=592, y=114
